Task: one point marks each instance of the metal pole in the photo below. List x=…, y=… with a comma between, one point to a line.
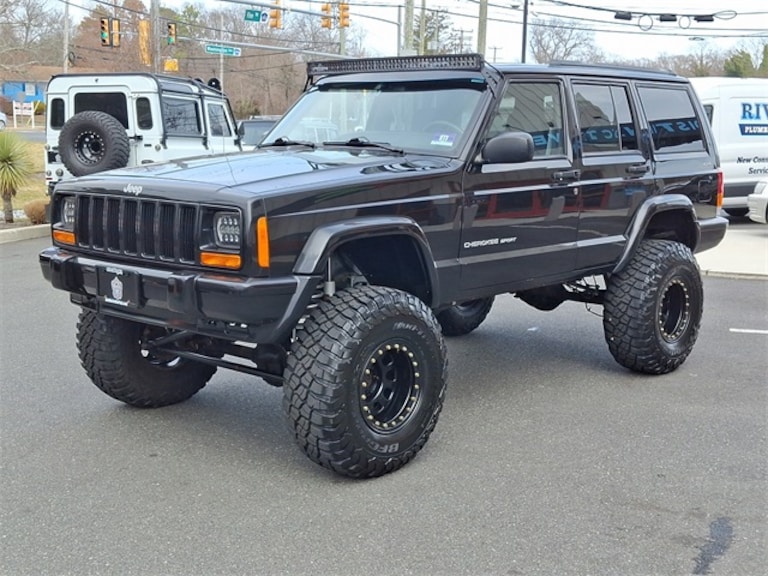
x=525, y=31
x=66, y=37
x=482, y=25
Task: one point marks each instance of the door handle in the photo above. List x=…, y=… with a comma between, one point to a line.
x=638, y=168
x=566, y=175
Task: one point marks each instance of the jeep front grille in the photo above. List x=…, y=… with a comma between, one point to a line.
x=148, y=229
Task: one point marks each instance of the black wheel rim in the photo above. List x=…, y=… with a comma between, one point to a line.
x=89, y=147
x=674, y=313
x=389, y=390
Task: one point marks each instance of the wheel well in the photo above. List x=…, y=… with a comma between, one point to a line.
x=677, y=225
x=394, y=261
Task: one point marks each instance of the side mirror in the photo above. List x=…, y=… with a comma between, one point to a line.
x=508, y=148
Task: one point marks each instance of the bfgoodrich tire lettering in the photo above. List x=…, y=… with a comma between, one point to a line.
x=92, y=142
x=463, y=318
x=111, y=353
x=653, y=308
x=365, y=381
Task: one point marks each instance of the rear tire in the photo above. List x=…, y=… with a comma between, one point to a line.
x=463, y=318
x=365, y=381
x=653, y=308
x=112, y=354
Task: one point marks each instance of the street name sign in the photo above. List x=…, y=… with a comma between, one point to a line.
x=256, y=15
x=225, y=50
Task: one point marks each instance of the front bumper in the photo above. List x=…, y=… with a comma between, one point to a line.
x=258, y=310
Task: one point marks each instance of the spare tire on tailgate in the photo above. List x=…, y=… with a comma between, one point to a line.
x=92, y=142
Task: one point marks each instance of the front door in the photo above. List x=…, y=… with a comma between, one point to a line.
x=520, y=220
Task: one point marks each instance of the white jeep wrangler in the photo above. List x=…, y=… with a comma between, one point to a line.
x=97, y=122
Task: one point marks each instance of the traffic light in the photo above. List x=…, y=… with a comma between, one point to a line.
x=171, y=33
x=115, y=32
x=326, y=21
x=105, y=39
x=276, y=16
x=343, y=15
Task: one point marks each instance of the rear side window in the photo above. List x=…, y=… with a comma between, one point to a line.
x=143, y=113
x=709, y=110
x=672, y=117
x=56, y=113
x=605, y=119
x=218, y=120
x=113, y=103
x=181, y=116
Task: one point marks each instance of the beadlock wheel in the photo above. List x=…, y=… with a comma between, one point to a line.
x=653, y=308
x=365, y=381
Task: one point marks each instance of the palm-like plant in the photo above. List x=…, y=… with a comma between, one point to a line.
x=15, y=168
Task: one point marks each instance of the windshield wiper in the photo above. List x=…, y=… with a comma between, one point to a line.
x=283, y=141
x=363, y=142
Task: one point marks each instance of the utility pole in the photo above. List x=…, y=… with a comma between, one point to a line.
x=525, y=31
x=154, y=16
x=66, y=37
x=482, y=25
x=423, y=28
x=408, y=35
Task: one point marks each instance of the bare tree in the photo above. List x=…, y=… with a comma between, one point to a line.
x=556, y=39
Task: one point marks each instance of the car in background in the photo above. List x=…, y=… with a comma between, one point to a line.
x=3, y=120
x=757, y=203
x=253, y=130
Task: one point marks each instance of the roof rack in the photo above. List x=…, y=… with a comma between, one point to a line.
x=613, y=67
x=472, y=62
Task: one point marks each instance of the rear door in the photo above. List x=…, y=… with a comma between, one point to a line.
x=616, y=172
x=520, y=220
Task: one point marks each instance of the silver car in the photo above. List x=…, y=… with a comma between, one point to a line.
x=758, y=202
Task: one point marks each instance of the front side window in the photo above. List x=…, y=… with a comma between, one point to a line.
x=113, y=103
x=604, y=117
x=672, y=118
x=181, y=116
x=421, y=116
x=536, y=108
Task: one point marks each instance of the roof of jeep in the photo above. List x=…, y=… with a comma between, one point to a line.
x=584, y=69
x=141, y=81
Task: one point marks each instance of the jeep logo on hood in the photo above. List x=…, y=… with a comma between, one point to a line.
x=134, y=189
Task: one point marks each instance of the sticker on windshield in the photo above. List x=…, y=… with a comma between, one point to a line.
x=443, y=140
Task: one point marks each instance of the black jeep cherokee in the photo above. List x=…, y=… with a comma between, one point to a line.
x=386, y=209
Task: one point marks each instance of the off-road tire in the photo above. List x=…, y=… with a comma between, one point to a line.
x=461, y=319
x=93, y=141
x=365, y=381
x=111, y=353
x=653, y=308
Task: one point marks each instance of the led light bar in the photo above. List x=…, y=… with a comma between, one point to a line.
x=397, y=64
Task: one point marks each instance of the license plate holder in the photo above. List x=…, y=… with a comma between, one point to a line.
x=118, y=286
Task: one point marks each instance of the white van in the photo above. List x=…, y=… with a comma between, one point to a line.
x=97, y=122
x=738, y=111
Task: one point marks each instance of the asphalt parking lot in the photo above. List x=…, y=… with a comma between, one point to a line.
x=548, y=458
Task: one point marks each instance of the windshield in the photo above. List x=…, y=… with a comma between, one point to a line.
x=431, y=117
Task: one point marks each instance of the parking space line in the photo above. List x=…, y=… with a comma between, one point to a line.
x=747, y=331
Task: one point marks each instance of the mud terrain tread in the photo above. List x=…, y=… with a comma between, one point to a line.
x=109, y=352
x=117, y=147
x=459, y=321
x=631, y=300
x=315, y=401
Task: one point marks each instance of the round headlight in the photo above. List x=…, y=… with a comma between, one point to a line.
x=228, y=230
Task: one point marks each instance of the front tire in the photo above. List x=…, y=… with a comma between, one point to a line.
x=112, y=353
x=461, y=319
x=653, y=308
x=365, y=381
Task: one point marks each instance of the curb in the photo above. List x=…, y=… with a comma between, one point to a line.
x=24, y=233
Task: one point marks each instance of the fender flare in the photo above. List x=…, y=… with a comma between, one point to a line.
x=325, y=240
x=645, y=213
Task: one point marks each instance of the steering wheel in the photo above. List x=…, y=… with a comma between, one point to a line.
x=437, y=124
